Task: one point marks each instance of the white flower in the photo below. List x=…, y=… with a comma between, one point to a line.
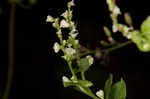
x=129, y=35
x=116, y=10
x=56, y=47
x=73, y=35
x=72, y=3
x=90, y=59
x=65, y=14
x=108, y=1
x=114, y=28
x=65, y=79
x=70, y=51
x=100, y=94
x=49, y=19
x=64, y=24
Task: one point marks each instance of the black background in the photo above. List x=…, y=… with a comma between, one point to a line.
x=38, y=70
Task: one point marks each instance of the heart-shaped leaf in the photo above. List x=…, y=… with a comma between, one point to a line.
x=83, y=64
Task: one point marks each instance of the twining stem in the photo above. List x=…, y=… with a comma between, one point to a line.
x=118, y=46
x=10, y=51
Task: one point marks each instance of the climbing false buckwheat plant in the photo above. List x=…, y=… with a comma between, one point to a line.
x=74, y=53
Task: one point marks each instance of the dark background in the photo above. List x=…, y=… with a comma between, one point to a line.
x=38, y=70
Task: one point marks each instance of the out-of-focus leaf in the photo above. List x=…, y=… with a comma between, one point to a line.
x=145, y=27
x=141, y=41
x=107, y=88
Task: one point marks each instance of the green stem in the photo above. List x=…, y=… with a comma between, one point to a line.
x=82, y=76
x=108, y=49
x=71, y=69
x=10, y=52
x=117, y=46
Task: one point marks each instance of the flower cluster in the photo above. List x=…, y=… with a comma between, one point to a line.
x=70, y=45
x=70, y=48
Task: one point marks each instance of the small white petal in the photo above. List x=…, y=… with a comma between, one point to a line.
x=109, y=1
x=129, y=35
x=72, y=3
x=56, y=47
x=65, y=79
x=70, y=51
x=100, y=94
x=65, y=14
x=49, y=19
x=73, y=35
x=114, y=28
x=64, y=24
x=116, y=10
x=90, y=58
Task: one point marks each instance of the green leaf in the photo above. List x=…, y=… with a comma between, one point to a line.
x=107, y=88
x=83, y=64
x=141, y=41
x=85, y=83
x=145, y=27
x=118, y=90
